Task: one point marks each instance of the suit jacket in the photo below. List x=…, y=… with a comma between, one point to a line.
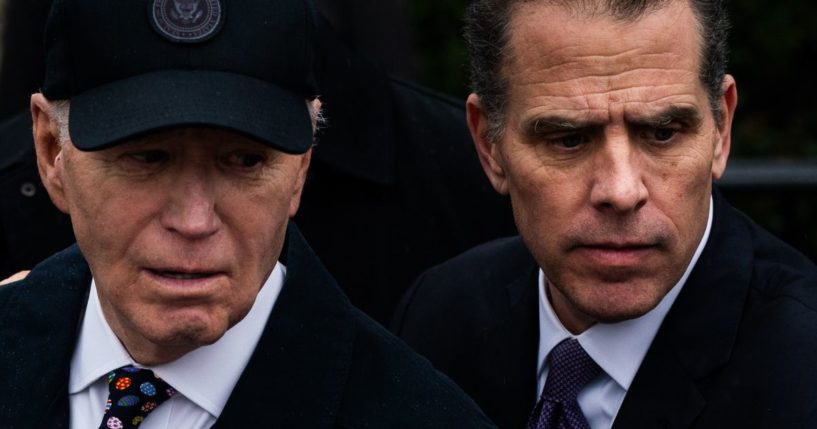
x=738, y=349
x=320, y=362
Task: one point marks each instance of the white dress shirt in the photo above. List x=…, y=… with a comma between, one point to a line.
x=203, y=378
x=618, y=348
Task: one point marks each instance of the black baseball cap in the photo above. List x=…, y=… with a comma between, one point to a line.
x=131, y=67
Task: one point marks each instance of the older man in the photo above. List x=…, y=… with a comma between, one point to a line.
x=177, y=135
x=635, y=296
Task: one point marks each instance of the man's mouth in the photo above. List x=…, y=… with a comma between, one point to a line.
x=183, y=276
x=617, y=254
x=193, y=274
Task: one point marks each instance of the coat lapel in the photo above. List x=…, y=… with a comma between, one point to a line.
x=698, y=334
x=506, y=361
x=51, y=301
x=298, y=372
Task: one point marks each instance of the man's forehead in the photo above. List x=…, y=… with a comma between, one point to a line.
x=559, y=34
x=549, y=44
x=625, y=10
x=597, y=69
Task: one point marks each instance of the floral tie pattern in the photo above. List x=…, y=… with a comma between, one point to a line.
x=132, y=394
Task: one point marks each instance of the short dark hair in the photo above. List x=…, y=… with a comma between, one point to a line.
x=487, y=36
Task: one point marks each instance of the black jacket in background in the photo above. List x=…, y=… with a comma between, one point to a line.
x=31, y=228
x=395, y=185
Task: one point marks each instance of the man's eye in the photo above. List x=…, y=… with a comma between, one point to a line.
x=661, y=134
x=149, y=157
x=569, y=141
x=246, y=160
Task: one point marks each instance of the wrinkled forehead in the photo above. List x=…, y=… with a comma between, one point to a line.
x=554, y=38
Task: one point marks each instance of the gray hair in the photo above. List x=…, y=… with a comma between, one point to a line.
x=487, y=24
x=61, y=110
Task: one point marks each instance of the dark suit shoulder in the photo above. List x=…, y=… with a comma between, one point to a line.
x=38, y=329
x=55, y=285
x=389, y=385
x=474, y=318
x=473, y=276
x=452, y=304
x=779, y=271
x=63, y=270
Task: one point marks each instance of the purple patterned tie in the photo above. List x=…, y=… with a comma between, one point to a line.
x=132, y=394
x=570, y=370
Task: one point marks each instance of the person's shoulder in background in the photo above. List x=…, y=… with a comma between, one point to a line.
x=396, y=168
x=452, y=304
x=31, y=228
x=409, y=391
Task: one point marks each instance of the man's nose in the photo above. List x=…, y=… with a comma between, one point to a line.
x=191, y=208
x=618, y=177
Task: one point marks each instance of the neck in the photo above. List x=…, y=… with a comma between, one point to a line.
x=143, y=350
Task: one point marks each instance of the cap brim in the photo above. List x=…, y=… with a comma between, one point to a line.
x=109, y=114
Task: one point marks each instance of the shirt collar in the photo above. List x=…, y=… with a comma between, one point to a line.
x=618, y=348
x=99, y=352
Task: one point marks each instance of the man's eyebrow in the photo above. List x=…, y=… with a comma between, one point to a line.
x=686, y=115
x=553, y=124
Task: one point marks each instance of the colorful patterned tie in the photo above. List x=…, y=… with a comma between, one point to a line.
x=132, y=394
x=570, y=370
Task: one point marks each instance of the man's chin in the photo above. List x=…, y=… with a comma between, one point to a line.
x=622, y=296
x=191, y=335
x=181, y=339
x=613, y=311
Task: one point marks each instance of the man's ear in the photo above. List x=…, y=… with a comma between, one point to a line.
x=728, y=104
x=303, y=168
x=487, y=149
x=50, y=155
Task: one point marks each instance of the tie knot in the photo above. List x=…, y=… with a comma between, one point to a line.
x=571, y=368
x=132, y=394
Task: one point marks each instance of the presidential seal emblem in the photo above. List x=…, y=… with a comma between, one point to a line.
x=187, y=21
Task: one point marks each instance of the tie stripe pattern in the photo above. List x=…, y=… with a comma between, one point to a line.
x=570, y=369
x=132, y=394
